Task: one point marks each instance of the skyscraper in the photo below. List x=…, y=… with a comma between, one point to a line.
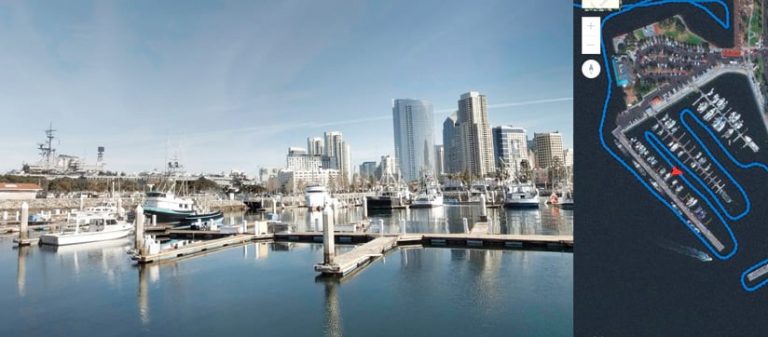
x=337, y=150
x=414, y=137
x=510, y=146
x=548, y=147
x=439, y=160
x=475, y=134
x=315, y=146
x=451, y=149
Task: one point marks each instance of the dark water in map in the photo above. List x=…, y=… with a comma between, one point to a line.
x=626, y=285
x=271, y=290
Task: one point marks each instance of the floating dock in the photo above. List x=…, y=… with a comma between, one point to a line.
x=199, y=247
x=360, y=256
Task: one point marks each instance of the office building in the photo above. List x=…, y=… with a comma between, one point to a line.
x=510, y=146
x=549, y=146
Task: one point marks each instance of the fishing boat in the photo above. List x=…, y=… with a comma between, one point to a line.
x=88, y=227
x=392, y=194
x=430, y=195
x=521, y=195
x=170, y=208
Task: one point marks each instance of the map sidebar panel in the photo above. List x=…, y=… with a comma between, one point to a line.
x=670, y=120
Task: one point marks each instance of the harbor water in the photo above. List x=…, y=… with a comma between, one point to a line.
x=270, y=289
x=446, y=219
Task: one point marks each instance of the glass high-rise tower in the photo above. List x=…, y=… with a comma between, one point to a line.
x=414, y=137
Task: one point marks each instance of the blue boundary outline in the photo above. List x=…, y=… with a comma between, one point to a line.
x=643, y=4
x=749, y=270
x=724, y=23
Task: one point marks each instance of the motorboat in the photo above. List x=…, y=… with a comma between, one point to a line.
x=88, y=227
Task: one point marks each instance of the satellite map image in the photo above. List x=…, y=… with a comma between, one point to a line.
x=672, y=100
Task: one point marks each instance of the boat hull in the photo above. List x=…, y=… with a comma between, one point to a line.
x=85, y=237
x=522, y=203
x=385, y=203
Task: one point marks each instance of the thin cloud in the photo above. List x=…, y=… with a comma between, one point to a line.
x=516, y=104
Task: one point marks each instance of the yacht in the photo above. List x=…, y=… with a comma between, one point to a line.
x=521, y=195
x=88, y=227
x=316, y=197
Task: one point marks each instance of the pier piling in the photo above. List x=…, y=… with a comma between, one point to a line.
x=365, y=208
x=139, y=229
x=381, y=227
x=402, y=226
x=483, y=209
x=154, y=220
x=23, y=235
x=466, y=225
x=328, y=244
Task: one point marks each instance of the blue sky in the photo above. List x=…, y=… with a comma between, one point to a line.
x=231, y=85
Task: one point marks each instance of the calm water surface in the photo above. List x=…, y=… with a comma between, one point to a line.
x=270, y=289
x=445, y=219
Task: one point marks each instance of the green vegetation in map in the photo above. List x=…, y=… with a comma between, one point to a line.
x=675, y=29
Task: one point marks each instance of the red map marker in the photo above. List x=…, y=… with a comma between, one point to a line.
x=676, y=171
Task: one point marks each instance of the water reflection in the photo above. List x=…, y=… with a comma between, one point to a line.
x=21, y=270
x=332, y=310
x=447, y=219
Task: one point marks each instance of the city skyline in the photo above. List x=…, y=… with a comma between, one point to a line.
x=236, y=95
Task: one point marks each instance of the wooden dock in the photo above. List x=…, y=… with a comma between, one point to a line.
x=535, y=242
x=199, y=247
x=360, y=256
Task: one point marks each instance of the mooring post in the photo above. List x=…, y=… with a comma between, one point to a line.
x=328, y=244
x=365, y=208
x=154, y=220
x=274, y=206
x=483, y=209
x=24, y=222
x=402, y=226
x=466, y=225
x=381, y=227
x=139, y=230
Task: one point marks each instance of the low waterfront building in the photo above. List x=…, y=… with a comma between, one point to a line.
x=20, y=191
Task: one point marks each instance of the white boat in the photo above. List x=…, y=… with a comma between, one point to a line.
x=316, y=197
x=521, y=195
x=430, y=197
x=85, y=228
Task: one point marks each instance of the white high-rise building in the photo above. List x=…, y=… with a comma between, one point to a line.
x=338, y=152
x=549, y=146
x=414, y=137
x=315, y=146
x=475, y=135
